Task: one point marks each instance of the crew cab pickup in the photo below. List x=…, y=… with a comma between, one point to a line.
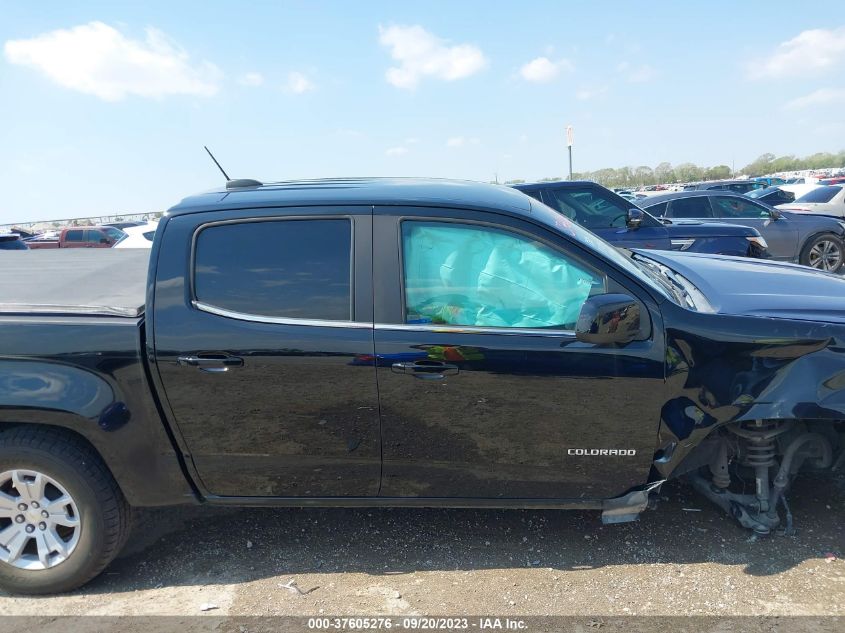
x=367, y=342
x=81, y=237
x=625, y=224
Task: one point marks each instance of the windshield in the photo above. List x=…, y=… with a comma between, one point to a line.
x=822, y=194
x=759, y=193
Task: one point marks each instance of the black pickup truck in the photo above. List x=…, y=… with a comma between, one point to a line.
x=370, y=342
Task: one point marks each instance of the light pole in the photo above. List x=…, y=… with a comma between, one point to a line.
x=569, y=143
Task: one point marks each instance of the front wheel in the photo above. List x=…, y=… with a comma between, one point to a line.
x=824, y=252
x=62, y=515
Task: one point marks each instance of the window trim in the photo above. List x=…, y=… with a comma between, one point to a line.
x=474, y=329
x=258, y=318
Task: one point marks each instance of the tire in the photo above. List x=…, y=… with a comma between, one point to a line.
x=70, y=467
x=824, y=252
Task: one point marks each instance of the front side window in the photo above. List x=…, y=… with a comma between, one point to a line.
x=286, y=269
x=739, y=208
x=696, y=207
x=471, y=275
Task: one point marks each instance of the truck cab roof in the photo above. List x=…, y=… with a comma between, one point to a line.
x=375, y=191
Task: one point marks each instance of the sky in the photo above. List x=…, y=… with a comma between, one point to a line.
x=105, y=106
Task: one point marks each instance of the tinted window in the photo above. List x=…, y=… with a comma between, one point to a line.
x=822, y=194
x=593, y=208
x=697, y=207
x=114, y=233
x=759, y=193
x=149, y=235
x=93, y=237
x=480, y=276
x=287, y=268
x=75, y=236
x=739, y=208
x=658, y=209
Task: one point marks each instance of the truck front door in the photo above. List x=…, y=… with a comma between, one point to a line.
x=484, y=390
x=264, y=345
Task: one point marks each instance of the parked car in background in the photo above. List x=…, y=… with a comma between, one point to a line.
x=124, y=225
x=739, y=186
x=815, y=241
x=81, y=237
x=770, y=181
x=12, y=242
x=138, y=236
x=827, y=200
x=802, y=180
x=771, y=195
x=832, y=181
x=622, y=224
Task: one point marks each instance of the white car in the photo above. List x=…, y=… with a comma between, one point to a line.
x=799, y=190
x=826, y=200
x=138, y=236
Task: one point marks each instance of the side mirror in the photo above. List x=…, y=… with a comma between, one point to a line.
x=776, y=215
x=634, y=218
x=611, y=319
x=105, y=240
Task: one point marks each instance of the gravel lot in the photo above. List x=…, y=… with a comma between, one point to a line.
x=684, y=558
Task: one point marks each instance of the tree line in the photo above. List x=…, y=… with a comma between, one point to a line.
x=689, y=172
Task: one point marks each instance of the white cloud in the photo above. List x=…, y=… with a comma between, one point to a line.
x=298, y=83
x=641, y=74
x=544, y=70
x=396, y=151
x=809, y=51
x=422, y=54
x=99, y=60
x=821, y=97
x=461, y=141
x=252, y=79
x=413, y=140
x=587, y=92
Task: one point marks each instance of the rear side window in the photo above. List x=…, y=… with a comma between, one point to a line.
x=75, y=236
x=822, y=194
x=739, y=208
x=297, y=269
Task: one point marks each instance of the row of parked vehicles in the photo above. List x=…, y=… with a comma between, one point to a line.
x=118, y=235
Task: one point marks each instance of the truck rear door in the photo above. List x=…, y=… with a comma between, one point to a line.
x=263, y=337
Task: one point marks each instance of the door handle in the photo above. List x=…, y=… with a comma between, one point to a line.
x=211, y=363
x=425, y=369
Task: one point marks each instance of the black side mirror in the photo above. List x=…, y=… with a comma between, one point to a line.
x=611, y=319
x=634, y=218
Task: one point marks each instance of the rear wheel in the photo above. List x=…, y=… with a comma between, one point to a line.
x=62, y=515
x=824, y=252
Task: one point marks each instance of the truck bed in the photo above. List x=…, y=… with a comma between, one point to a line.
x=95, y=282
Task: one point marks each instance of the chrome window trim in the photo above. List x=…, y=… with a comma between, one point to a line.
x=410, y=327
x=257, y=318
x=474, y=329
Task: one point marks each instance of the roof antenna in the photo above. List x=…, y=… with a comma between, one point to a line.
x=233, y=184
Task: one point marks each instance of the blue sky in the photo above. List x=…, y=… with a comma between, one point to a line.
x=105, y=106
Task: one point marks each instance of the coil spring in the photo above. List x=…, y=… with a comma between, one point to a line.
x=760, y=452
x=759, y=436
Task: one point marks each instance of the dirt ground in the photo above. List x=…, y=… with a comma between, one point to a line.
x=682, y=558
